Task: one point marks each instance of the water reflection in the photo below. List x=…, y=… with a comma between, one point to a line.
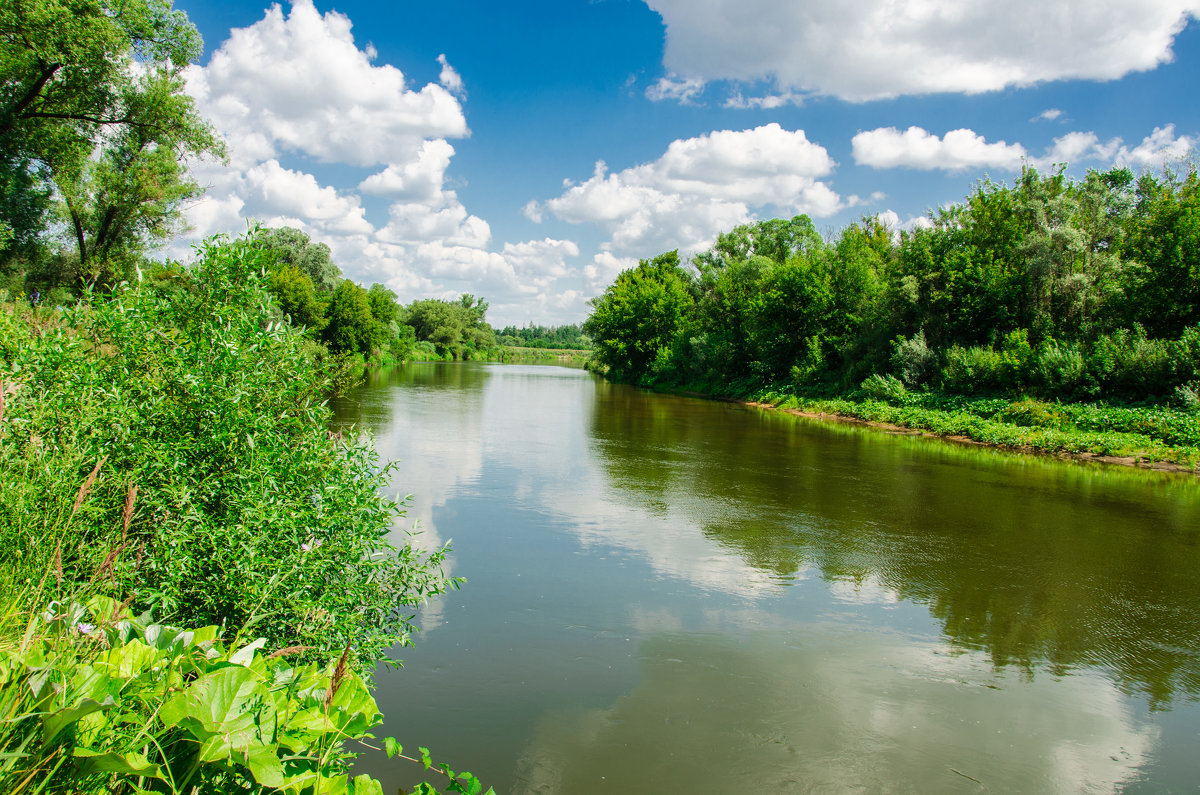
x=1034, y=561
x=431, y=396
x=829, y=710
x=669, y=594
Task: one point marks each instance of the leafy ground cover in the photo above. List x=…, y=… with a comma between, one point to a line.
x=1144, y=434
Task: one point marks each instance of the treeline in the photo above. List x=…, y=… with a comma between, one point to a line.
x=350, y=319
x=1051, y=287
x=561, y=337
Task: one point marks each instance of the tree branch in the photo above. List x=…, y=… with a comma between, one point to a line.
x=30, y=96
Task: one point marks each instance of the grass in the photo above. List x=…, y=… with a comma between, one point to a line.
x=1144, y=434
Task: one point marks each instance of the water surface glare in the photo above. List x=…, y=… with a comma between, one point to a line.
x=668, y=594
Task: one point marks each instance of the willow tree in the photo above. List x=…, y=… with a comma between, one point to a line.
x=92, y=104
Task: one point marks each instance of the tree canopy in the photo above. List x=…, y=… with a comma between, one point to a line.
x=1052, y=286
x=92, y=103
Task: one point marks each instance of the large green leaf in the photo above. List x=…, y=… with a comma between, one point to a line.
x=54, y=723
x=365, y=785
x=264, y=764
x=132, y=763
x=229, y=703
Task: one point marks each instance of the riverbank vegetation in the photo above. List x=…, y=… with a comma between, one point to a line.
x=197, y=576
x=1052, y=313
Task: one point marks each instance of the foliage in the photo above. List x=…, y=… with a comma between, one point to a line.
x=293, y=290
x=569, y=337
x=291, y=247
x=635, y=322
x=215, y=494
x=92, y=101
x=1052, y=287
x=456, y=329
x=351, y=328
x=97, y=700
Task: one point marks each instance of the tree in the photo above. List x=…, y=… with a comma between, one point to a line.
x=291, y=246
x=788, y=315
x=775, y=239
x=24, y=204
x=383, y=304
x=92, y=101
x=636, y=322
x=351, y=328
x=293, y=290
x=1163, y=283
x=456, y=328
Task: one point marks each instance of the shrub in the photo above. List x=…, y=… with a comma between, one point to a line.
x=96, y=700
x=1128, y=363
x=1034, y=414
x=973, y=371
x=176, y=444
x=1060, y=371
x=887, y=388
x=913, y=360
x=1187, y=397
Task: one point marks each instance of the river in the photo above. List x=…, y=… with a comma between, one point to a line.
x=667, y=594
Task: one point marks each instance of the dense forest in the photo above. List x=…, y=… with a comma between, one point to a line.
x=1052, y=287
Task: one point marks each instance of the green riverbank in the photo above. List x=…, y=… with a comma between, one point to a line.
x=1152, y=437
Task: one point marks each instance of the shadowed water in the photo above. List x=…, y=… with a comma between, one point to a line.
x=671, y=594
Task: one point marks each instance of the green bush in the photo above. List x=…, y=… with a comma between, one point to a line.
x=175, y=442
x=887, y=388
x=913, y=361
x=1060, y=371
x=972, y=371
x=1129, y=364
x=1034, y=414
x=95, y=700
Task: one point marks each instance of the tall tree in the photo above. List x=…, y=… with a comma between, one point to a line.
x=92, y=101
x=293, y=247
x=636, y=321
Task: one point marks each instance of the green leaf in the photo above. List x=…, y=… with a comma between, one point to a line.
x=244, y=655
x=426, y=759
x=365, y=785
x=229, y=703
x=392, y=747
x=129, y=660
x=264, y=764
x=132, y=763
x=54, y=723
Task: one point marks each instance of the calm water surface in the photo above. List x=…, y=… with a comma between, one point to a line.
x=675, y=595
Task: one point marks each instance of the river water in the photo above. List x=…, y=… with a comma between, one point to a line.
x=668, y=594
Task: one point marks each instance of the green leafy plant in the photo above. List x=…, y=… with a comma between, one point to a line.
x=96, y=700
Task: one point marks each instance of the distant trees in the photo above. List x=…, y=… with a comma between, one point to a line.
x=456, y=329
x=568, y=337
x=639, y=318
x=1050, y=286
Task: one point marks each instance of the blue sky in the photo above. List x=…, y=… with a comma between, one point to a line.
x=529, y=151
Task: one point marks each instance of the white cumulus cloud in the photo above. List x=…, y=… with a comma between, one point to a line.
x=957, y=150
x=298, y=83
x=699, y=187
x=450, y=78
x=294, y=88
x=870, y=49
